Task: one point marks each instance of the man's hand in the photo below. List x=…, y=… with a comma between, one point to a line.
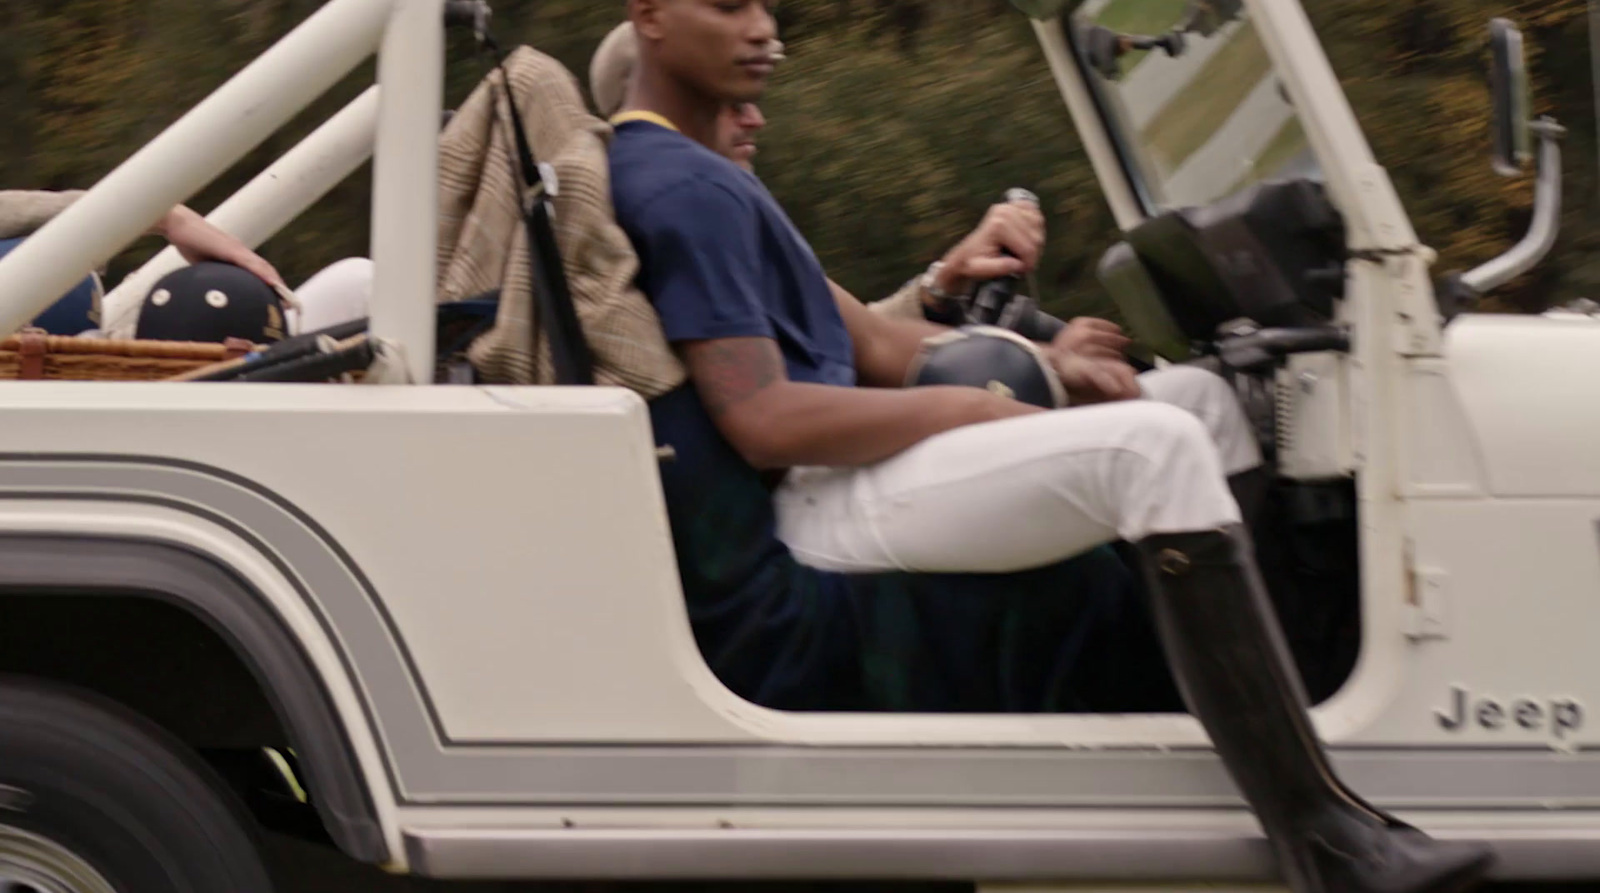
x=1090, y=380
x=1097, y=339
x=197, y=240
x=1017, y=227
x=1087, y=356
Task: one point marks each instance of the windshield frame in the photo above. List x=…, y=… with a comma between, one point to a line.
x=1115, y=134
x=1147, y=183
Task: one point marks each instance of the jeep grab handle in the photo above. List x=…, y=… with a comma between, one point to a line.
x=1263, y=348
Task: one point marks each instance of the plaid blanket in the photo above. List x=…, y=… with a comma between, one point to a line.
x=483, y=243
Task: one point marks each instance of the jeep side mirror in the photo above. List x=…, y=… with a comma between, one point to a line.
x=1513, y=133
x=1105, y=48
x=1508, y=81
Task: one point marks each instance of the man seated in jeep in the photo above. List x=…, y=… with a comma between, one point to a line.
x=803, y=469
x=1037, y=655
x=1205, y=395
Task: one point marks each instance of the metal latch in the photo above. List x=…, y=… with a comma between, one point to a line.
x=1425, y=609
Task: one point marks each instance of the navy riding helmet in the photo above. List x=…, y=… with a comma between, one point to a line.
x=211, y=301
x=992, y=358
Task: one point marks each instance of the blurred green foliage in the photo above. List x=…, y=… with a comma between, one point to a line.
x=894, y=124
x=1416, y=74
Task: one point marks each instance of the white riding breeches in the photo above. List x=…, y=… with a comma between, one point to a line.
x=339, y=293
x=1212, y=401
x=1028, y=492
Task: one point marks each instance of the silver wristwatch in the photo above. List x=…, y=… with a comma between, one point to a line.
x=930, y=284
x=938, y=305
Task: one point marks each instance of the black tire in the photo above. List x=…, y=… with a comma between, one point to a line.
x=119, y=793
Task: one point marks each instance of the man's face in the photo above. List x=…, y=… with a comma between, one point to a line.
x=717, y=47
x=736, y=132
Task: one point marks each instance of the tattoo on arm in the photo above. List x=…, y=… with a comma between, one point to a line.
x=729, y=371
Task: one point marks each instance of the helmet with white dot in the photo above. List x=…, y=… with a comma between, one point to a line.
x=211, y=302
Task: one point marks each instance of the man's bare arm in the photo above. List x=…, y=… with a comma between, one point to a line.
x=198, y=240
x=729, y=372
x=910, y=303
x=1009, y=241
x=777, y=423
x=884, y=345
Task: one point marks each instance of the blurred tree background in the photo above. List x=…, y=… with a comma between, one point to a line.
x=894, y=124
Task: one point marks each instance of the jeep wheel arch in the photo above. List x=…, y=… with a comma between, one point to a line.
x=68, y=565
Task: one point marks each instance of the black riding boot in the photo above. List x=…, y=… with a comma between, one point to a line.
x=1230, y=661
x=1250, y=489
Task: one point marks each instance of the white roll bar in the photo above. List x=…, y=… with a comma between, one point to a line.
x=267, y=203
x=1546, y=223
x=238, y=117
x=405, y=197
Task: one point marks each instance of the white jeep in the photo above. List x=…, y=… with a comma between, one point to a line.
x=450, y=616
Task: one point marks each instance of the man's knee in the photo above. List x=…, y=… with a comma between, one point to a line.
x=1189, y=387
x=1168, y=475
x=1160, y=431
x=1164, y=421
x=1211, y=398
x=339, y=293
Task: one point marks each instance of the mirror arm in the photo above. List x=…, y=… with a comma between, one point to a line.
x=1546, y=224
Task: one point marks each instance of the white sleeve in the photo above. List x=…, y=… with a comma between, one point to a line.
x=23, y=211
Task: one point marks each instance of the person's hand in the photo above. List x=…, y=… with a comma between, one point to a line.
x=198, y=240
x=1097, y=339
x=975, y=406
x=1090, y=380
x=1017, y=227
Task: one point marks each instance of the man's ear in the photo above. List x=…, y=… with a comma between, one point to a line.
x=646, y=17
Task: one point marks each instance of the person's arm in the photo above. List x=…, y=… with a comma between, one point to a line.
x=776, y=423
x=1009, y=241
x=197, y=239
x=907, y=303
x=1087, y=354
x=1086, y=357
x=884, y=345
x=24, y=211
x=703, y=267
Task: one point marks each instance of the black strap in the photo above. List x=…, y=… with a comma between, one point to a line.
x=316, y=366
x=556, y=315
x=288, y=350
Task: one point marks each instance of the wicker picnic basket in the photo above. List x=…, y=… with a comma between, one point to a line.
x=33, y=355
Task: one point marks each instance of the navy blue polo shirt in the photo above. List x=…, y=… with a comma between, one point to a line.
x=720, y=259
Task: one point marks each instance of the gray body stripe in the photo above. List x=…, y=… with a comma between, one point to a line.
x=1111, y=859
x=429, y=770
x=333, y=587
x=1107, y=859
